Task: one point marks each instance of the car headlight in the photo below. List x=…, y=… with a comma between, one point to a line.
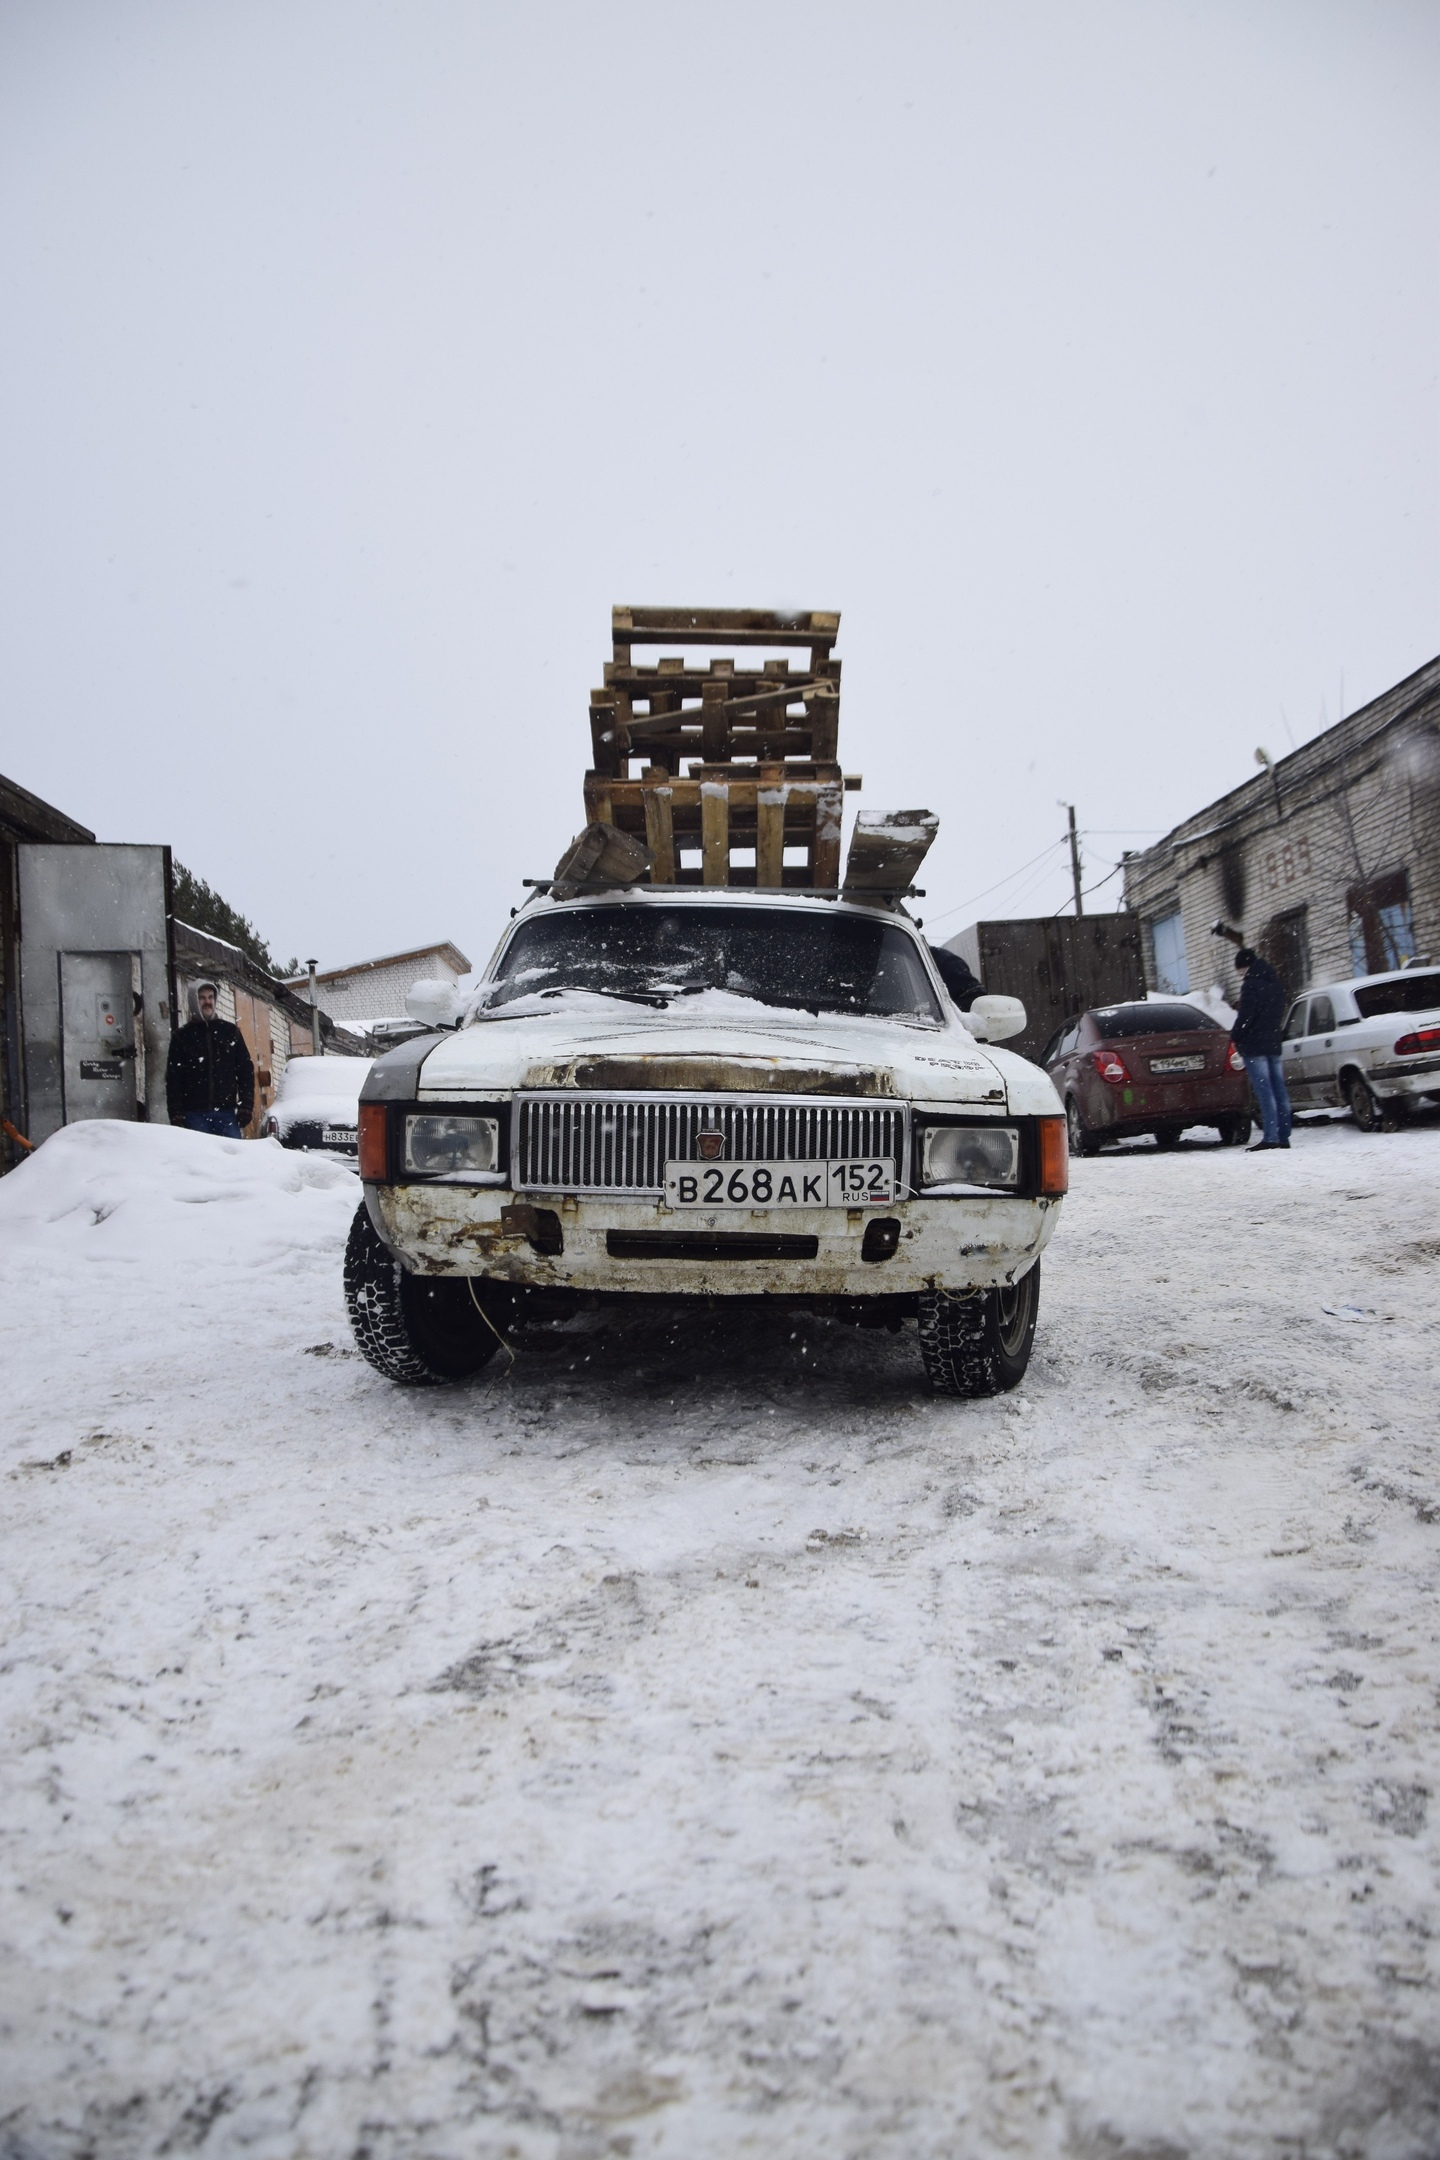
x=435, y=1145
x=971, y=1155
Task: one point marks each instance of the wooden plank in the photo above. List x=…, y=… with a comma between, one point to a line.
x=659, y=831
x=714, y=702
x=714, y=733
x=599, y=856
x=817, y=628
x=887, y=848
x=825, y=855
x=599, y=809
x=715, y=831
x=770, y=832
x=824, y=710
x=804, y=788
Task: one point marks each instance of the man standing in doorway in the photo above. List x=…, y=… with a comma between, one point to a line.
x=1256, y=1035
x=209, y=1079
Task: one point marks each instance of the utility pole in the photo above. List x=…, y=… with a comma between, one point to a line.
x=314, y=1012
x=1075, y=860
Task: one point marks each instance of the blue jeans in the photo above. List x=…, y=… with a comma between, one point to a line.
x=1272, y=1097
x=220, y=1122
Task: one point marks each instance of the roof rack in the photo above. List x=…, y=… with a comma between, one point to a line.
x=588, y=888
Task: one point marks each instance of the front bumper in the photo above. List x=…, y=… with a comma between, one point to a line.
x=953, y=1244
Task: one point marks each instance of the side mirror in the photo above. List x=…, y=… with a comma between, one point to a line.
x=999, y=1017
x=434, y=1002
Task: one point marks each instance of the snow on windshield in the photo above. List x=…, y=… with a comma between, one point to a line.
x=799, y=960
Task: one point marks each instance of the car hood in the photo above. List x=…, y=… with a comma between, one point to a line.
x=314, y=1110
x=746, y=1051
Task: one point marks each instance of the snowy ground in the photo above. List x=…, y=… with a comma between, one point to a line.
x=698, y=1741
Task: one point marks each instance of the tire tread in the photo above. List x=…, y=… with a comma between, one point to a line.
x=377, y=1317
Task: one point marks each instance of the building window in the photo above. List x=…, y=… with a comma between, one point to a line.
x=1381, y=923
x=1167, y=939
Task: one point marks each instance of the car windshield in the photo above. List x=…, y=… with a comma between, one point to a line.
x=1155, y=1018
x=801, y=959
x=1406, y=993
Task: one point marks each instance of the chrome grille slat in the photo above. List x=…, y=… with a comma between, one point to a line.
x=565, y=1142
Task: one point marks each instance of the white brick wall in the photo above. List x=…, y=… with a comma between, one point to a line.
x=1368, y=788
x=377, y=993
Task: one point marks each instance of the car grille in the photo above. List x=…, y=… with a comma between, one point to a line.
x=621, y=1144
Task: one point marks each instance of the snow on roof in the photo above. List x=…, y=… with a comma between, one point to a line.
x=443, y=947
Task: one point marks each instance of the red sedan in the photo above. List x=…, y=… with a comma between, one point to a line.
x=1147, y=1068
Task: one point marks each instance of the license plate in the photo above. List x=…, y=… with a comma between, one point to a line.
x=338, y=1135
x=1177, y=1064
x=779, y=1184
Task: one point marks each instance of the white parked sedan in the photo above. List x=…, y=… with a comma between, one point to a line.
x=317, y=1104
x=1372, y=1044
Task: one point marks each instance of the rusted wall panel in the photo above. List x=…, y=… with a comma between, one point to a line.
x=1056, y=966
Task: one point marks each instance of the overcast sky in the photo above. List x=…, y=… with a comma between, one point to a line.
x=356, y=358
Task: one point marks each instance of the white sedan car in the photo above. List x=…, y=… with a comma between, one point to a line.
x=317, y=1104
x=1371, y=1044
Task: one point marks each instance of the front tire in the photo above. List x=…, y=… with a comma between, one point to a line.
x=1168, y=1136
x=420, y=1330
x=1235, y=1131
x=979, y=1345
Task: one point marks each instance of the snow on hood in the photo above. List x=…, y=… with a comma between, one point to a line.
x=109, y=1191
x=718, y=1040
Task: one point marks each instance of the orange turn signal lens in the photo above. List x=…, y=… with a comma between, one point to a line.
x=374, y=1165
x=1054, y=1157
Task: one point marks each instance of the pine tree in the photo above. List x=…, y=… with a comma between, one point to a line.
x=201, y=906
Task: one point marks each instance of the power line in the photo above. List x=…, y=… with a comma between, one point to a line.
x=1063, y=842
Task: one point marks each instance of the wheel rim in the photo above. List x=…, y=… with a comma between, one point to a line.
x=1362, y=1109
x=1013, y=1314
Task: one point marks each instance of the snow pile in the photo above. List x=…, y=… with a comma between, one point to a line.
x=105, y=1191
x=155, y=1241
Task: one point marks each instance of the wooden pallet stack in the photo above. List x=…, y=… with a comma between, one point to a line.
x=731, y=759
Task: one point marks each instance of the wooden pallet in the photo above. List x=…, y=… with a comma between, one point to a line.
x=729, y=757
x=716, y=810
x=724, y=712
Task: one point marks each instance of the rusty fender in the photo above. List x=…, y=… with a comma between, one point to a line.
x=952, y=1244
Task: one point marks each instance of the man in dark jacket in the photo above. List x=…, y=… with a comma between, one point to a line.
x=209, y=1079
x=963, y=987
x=1259, y=1018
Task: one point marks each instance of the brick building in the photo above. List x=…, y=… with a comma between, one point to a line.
x=375, y=989
x=1328, y=860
